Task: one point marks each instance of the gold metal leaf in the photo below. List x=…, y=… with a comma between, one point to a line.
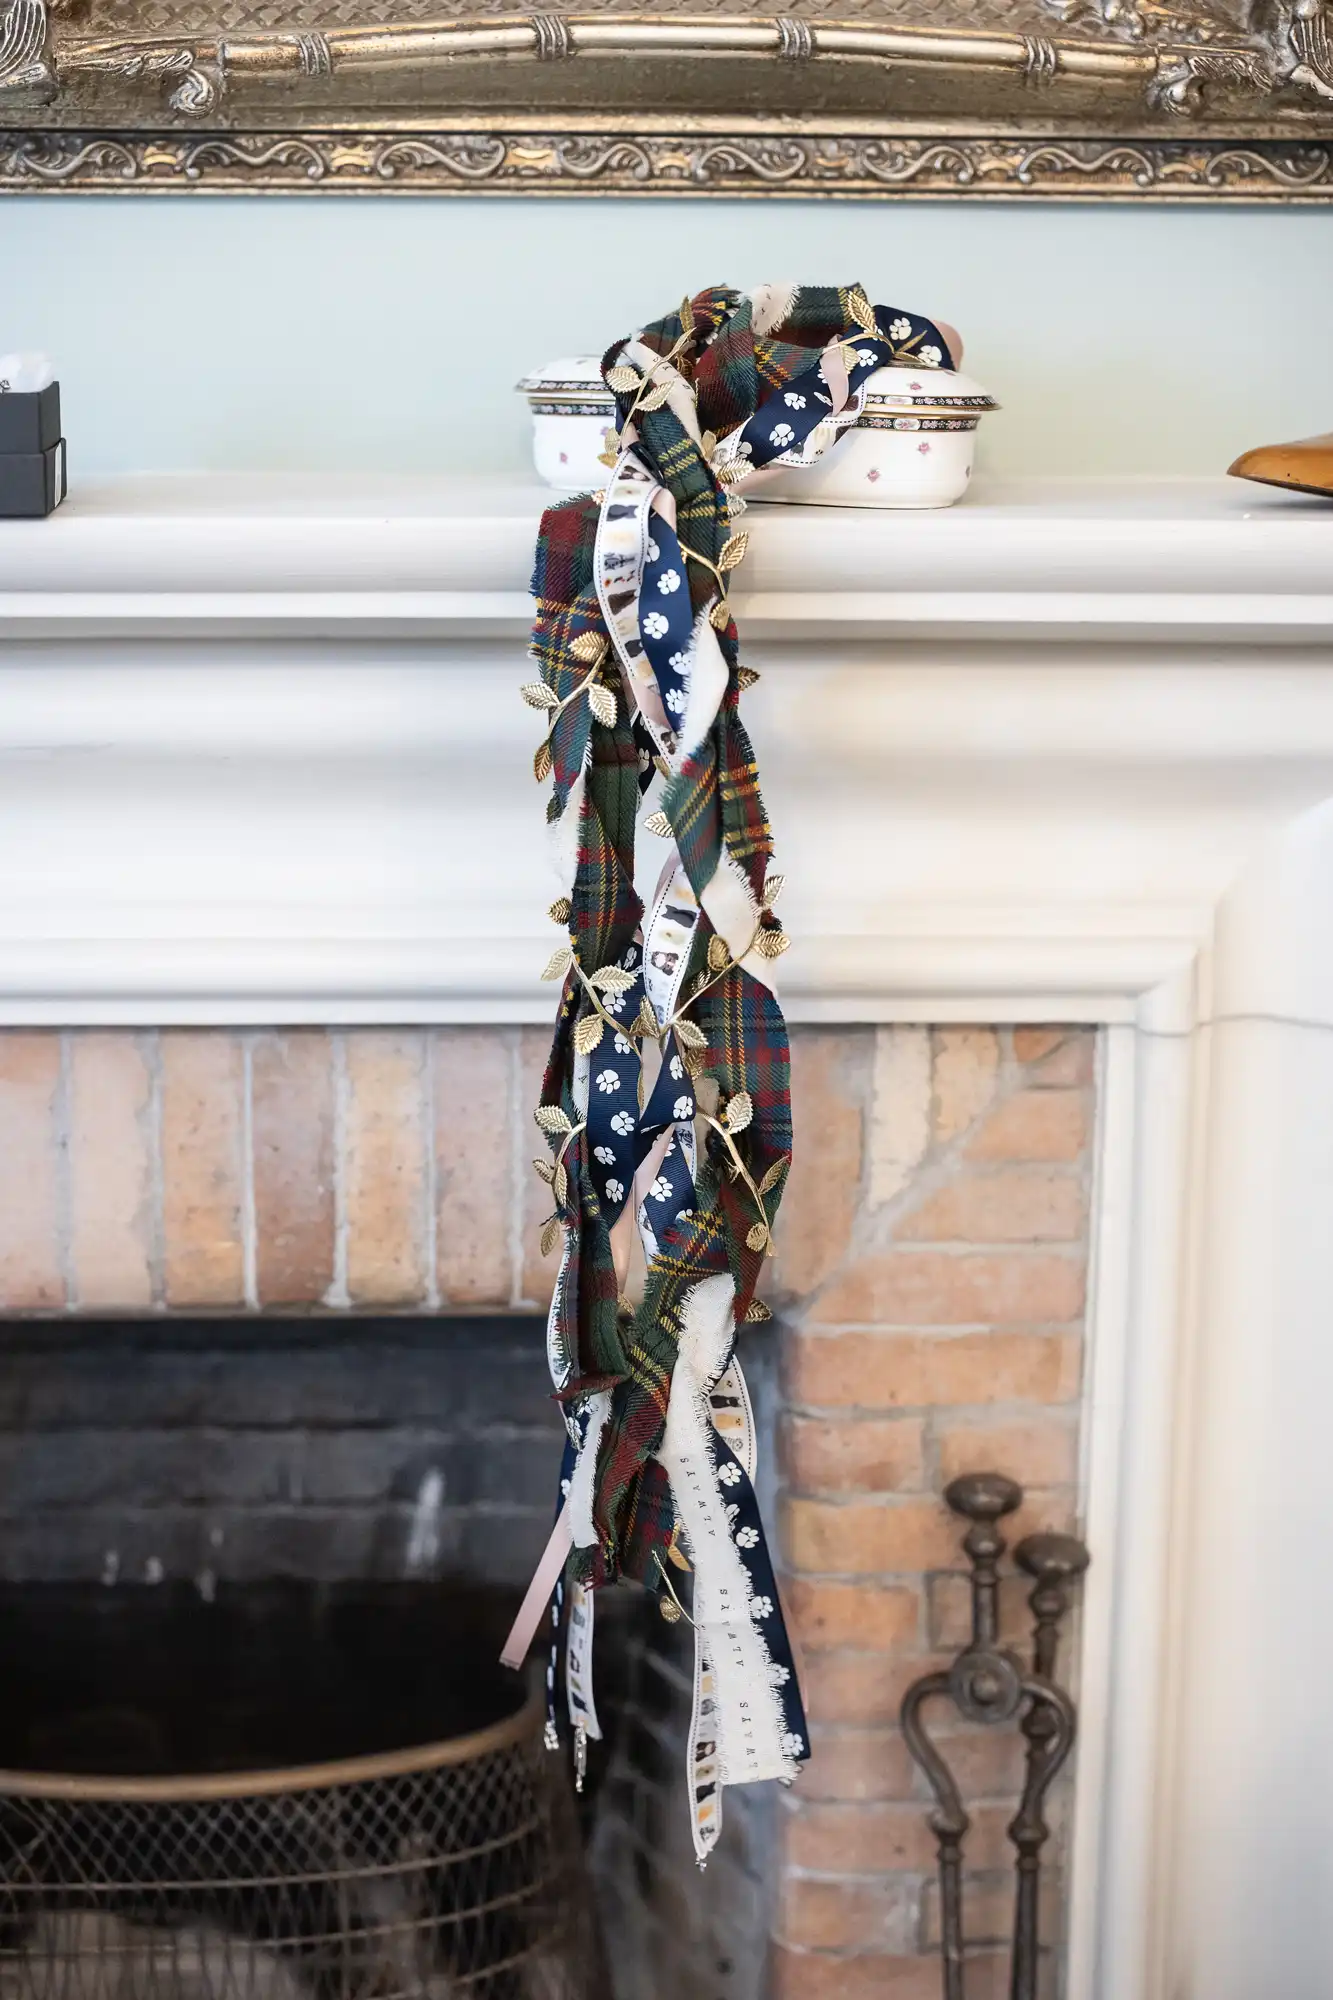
x=542, y=762
x=675, y=1554
x=756, y=1313
x=550, y=1235
x=647, y=1020
x=659, y=824
x=772, y=944
x=603, y=705
x=687, y=314
x=611, y=979
x=588, y=1033
x=623, y=380
x=669, y=1610
x=590, y=647
x=695, y=1061
x=740, y=1111
x=733, y=551
x=690, y=1035
x=560, y=1185
x=746, y=677
x=731, y=475
x=560, y=910
x=655, y=398
x=720, y=615
x=708, y=445
x=773, y=885
x=757, y=1237
x=553, y=1119
x=537, y=695
x=861, y=310
x=545, y=1169
x=774, y=1174
x=610, y=457
x=558, y=964
x=719, y=954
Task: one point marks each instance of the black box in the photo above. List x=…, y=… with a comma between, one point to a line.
x=30, y=419
x=32, y=483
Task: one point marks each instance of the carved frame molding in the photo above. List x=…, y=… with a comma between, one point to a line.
x=1204, y=99
x=724, y=164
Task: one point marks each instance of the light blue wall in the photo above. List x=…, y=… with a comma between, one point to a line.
x=386, y=332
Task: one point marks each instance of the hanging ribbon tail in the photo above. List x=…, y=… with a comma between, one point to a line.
x=539, y=1591
x=524, y=1628
x=703, y=1775
x=579, y=1694
x=765, y=1604
x=759, y=1725
x=733, y=1421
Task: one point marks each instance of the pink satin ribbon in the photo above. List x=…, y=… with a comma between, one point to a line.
x=545, y=1578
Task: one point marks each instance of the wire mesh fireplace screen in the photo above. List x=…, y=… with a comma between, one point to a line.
x=447, y=1871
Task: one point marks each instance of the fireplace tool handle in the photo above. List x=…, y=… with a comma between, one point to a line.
x=988, y=1684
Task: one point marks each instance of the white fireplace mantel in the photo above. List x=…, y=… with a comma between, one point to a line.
x=264, y=756
x=1064, y=753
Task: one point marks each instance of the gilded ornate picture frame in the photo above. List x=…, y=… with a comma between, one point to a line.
x=1151, y=99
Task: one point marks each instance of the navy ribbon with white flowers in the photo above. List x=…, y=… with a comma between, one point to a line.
x=780, y=428
x=666, y=622
x=765, y=1604
x=567, y=1462
x=620, y=1136
x=614, y=1147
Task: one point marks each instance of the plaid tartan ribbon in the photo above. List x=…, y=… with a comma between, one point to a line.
x=666, y=1101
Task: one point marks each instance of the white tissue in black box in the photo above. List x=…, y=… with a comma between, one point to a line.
x=32, y=483
x=29, y=419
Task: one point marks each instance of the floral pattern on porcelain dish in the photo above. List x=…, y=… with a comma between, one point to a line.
x=572, y=410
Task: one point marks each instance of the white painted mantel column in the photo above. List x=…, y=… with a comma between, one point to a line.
x=1250, y=1906
x=1065, y=753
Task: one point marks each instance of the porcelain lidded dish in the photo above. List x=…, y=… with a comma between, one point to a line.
x=913, y=445
x=572, y=410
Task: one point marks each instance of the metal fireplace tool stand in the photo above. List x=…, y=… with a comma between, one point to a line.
x=989, y=1684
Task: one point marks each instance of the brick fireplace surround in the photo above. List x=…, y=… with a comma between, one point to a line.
x=271, y=884
x=929, y=1286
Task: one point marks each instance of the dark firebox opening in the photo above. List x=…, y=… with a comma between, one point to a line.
x=231, y=1543
x=152, y=1682
x=255, y=1741
x=205, y=1451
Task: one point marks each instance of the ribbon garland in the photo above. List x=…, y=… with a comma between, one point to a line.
x=666, y=1100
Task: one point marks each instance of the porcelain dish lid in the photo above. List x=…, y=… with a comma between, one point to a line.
x=920, y=390
x=571, y=375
